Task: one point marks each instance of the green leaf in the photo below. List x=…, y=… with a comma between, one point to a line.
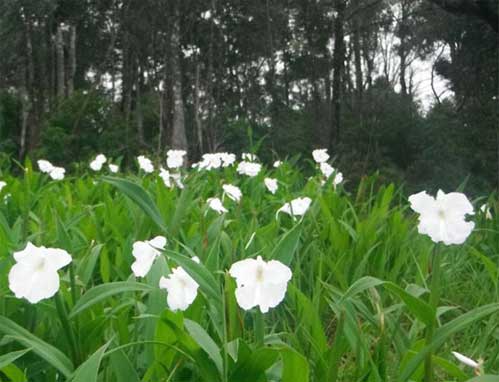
x=101, y=292
x=46, y=351
x=295, y=366
x=416, y=306
x=443, y=333
x=287, y=245
x=485, y=378
x=139, y=196
x=252, y=367
x=123, y=368
x=8, y=358
x=89, y=370
x=206, y=343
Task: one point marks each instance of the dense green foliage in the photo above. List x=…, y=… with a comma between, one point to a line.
x=355, y=309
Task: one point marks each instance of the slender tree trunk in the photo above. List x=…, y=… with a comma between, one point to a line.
x=211, y=138
x=359, y=80
x=138, y=106
x=402, y=50
x=29, y=125
x=338, y=68
x=59, y=46
x=197, y=115
x=179, y=137
x=72, y=60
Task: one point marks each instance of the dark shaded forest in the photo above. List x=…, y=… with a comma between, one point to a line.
x=125, y=77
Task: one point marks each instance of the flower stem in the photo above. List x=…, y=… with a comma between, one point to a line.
x=63, y=316
x=259, y=328
x=434, y=299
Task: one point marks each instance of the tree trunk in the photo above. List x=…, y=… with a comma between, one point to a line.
x=179, y=138
x=72, y=60
x=402, y=50
x=138, y=106
x=359, y=80
x=59, y=46
x=338, y=67
x=197, y=115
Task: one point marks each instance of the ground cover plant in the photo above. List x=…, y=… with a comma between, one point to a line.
x=242, y=271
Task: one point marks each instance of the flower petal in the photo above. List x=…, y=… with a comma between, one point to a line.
x=244, y=271
x=246, y=296
x=422, y=202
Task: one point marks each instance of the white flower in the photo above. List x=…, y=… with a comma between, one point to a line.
x=232, y=192
x=34, y=276
x=320, y=155
x=277, y=164
x=2, y=184
x=97, y=163
x=45, y=166
x=260, y=283
x=209, y=161
x=182, y=289
x=177, y=179
x=145, y=252
x=296, y=207
x=338, y=178
x=249, y=157
x=443, y=218
x=145, y=164
x=271, y=184
x=326, y=169
x=216, y=205
x=485, y=209
x=175, y=158
x=228, y=159
x=114, y=168
x=57, y=173
x=165, y=175
x=249, y=168
x=465, y=360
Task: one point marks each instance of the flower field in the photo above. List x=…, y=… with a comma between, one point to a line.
x=237, y=270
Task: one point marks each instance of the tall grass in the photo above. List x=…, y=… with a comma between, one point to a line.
x=356, y=308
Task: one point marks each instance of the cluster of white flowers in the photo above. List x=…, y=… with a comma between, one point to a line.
x=56, y=173
x=321, y=157
x=212, y=161
x=259, y=283
x=328, y=170
x=277, y=164
x=98, y=162
x=175, y=158
x=145, y=164
x=2, y=184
